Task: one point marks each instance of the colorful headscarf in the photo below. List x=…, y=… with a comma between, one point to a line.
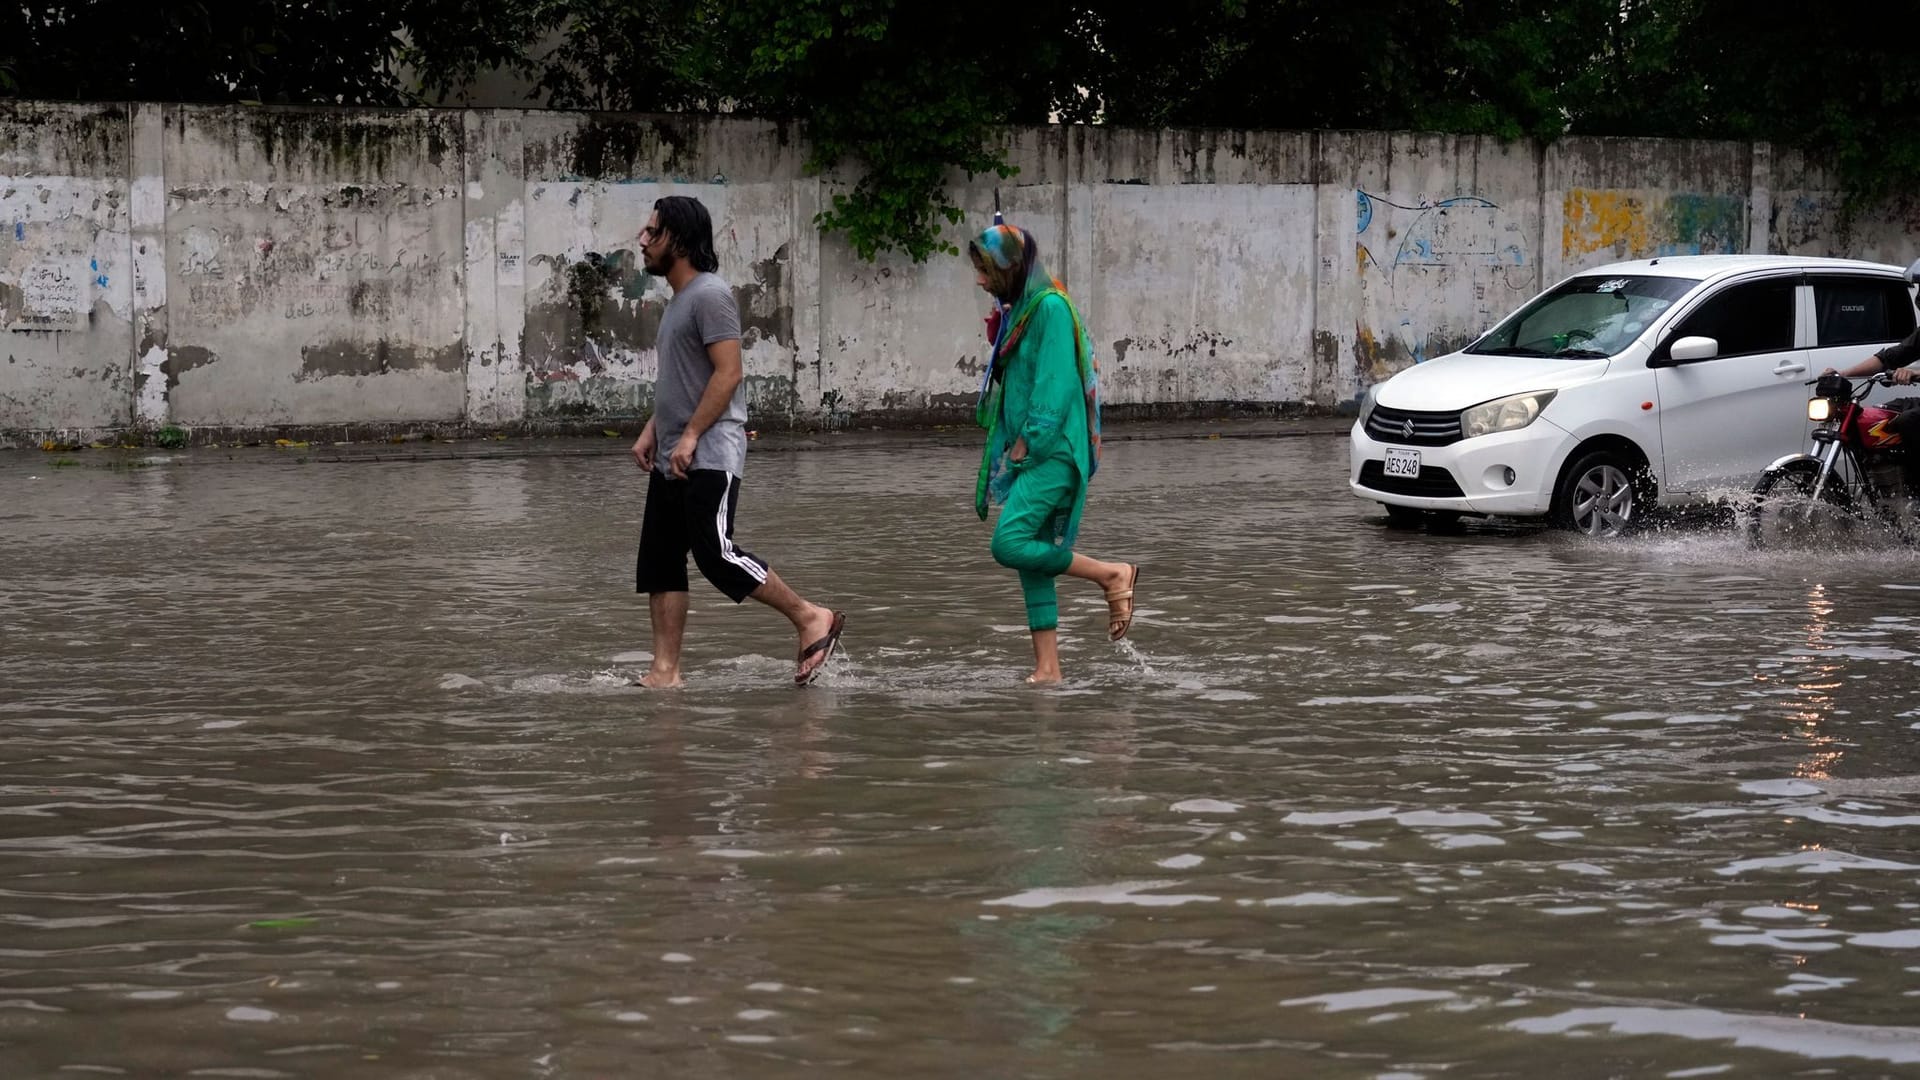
x=1011, y=261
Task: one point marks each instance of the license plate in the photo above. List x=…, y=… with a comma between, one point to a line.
x=1403, y=463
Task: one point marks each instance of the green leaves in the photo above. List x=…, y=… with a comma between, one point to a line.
x=341, y=52
x=900, y=95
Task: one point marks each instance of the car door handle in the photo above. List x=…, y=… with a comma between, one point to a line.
x=1788, y=367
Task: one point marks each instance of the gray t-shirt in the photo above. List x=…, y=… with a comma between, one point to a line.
x=699, y=314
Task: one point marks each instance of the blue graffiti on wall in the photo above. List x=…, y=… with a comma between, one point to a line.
x=1416, y=242
x=1465, y=241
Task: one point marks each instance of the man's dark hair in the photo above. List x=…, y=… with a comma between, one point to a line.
x=684, y=219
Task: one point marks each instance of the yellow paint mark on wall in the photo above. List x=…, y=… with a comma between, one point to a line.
x=1605, y=220
x=1371, y=355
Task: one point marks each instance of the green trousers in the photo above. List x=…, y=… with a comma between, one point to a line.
x=1028, y=536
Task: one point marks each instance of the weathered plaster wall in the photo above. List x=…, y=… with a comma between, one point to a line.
x=1611, y=199
x=1808, y=215
x=222, y=268
x=313, y=267
x=66, y=295
x=1200, y=263
x=1444, y=234
x=906, y=338
x=592, y=311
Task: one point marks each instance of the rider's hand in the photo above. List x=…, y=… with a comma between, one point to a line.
x=1830, y=371
x=1903, y=376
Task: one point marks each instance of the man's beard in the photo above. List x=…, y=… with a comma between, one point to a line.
x=657, y=267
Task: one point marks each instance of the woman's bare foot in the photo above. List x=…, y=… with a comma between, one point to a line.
x=1046, y=658
x=1046, y=667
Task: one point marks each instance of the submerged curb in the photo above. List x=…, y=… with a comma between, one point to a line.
x=493, y=449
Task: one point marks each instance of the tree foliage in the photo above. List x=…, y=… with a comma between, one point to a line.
x=903, y=93
x=906, y=91
x=630, y=56
x=346, y=52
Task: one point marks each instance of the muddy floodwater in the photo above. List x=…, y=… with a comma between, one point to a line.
x=331, y=770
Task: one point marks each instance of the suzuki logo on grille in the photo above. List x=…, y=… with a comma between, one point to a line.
x=1406, y=430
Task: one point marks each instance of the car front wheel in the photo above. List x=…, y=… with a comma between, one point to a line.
x=1604, y=494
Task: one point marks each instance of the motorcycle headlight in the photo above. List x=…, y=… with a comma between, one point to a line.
x=1819, y=410
x=1504, y=414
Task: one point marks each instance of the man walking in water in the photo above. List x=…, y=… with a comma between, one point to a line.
x=694, y=449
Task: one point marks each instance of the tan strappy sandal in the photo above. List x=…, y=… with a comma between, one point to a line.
x=1119, y=621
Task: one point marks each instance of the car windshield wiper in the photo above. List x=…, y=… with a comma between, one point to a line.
x=1508, y=350
x=1584, y=354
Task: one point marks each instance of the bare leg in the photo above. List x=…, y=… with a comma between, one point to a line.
x=1111, y=577
x=668, y=613
x=1108, y=575
x=1046, y=656
x=810, y=620
x=1046, y=643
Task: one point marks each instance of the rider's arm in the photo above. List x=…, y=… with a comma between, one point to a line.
x=1900, y=355
x=1888, y=359
x=1870, y=366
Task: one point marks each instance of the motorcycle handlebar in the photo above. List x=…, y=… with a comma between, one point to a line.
x=1884, y=378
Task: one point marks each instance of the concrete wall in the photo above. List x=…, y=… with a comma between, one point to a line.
x=224, y=269
x=313, y=269
x=66, y=289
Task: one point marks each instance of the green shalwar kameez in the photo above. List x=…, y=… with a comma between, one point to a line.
x=1042, y=394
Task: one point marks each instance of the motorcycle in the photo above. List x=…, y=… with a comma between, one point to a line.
x=1852, y=478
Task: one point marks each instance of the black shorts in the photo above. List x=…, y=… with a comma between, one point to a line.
x=695, y=514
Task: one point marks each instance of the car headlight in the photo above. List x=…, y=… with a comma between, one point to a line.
x=1504, y=414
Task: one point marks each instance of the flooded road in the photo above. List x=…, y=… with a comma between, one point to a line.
x=329, y=770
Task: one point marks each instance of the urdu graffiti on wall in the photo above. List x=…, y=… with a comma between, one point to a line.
x=1423, y=264
x=54, y=295
x=48, y=280
x=63, y=241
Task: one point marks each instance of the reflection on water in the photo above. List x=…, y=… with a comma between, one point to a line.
x=333, y=771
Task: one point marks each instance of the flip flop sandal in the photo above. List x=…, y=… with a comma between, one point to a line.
x=828, y=645
x=1118, y=623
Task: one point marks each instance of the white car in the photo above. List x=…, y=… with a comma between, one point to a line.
x=1663, y=380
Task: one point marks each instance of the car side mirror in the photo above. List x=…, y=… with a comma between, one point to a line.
x=1689, y=349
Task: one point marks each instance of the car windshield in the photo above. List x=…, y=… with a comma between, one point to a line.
x=1586, y=318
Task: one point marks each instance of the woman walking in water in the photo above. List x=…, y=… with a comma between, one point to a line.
x=1040, y=405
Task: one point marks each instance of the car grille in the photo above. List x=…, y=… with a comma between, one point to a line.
x=1434, y=482
x=1413, y=428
